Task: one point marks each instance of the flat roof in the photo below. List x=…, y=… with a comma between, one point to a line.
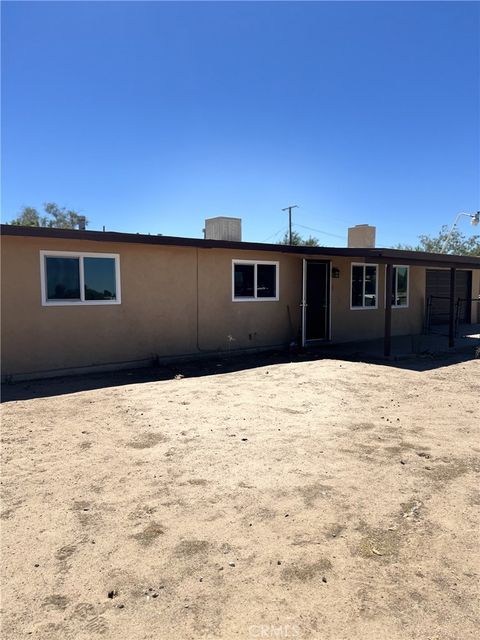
x=383, y=255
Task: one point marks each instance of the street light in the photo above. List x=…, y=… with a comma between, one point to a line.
x=474, y=220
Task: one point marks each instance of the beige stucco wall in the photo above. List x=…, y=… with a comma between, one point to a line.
x=159, y=308
x=363, y=324
x=157, y=314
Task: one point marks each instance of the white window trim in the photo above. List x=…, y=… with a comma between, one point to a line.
x=80, y=255
x=255, y=298
x=363, y=307
x=394, y=290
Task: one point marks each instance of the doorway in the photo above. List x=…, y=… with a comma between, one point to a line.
x=315, y=301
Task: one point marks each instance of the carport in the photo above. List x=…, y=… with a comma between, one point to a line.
x=452, y=263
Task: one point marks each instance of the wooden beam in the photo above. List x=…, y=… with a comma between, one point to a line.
x=451, y=319
x=387, y=339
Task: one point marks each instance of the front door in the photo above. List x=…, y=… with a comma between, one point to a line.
x=315, y=301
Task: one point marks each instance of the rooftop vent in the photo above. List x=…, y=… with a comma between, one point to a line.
x=223, y=228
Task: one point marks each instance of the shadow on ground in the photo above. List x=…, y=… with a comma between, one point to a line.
x=424, y=361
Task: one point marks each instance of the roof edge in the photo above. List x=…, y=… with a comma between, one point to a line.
x=380, y=254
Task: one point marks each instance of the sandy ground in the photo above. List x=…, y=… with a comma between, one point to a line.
x=319, y=499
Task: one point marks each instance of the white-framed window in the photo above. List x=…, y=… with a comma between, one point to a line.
x=364, y=286
x=400, y=286
x=254, y=280
x=78, y=278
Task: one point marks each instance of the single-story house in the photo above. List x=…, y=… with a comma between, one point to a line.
x=76, y=300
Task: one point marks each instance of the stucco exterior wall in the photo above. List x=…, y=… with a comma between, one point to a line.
x=157, y=315
x=175, y=301
x=364, y=324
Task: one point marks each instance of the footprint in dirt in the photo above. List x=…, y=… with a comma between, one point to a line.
x=148, y=535
x=91, y=616
x=55, y=602
x=97, y=624
x=65, y=552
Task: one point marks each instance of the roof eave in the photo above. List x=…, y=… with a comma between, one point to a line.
x=381, y=255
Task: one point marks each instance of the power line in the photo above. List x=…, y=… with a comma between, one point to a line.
x=325, y=233
x=284, y=228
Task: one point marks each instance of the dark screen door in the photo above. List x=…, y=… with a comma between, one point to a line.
x=316, y=286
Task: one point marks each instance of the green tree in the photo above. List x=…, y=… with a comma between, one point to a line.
x=29, y=217
x=297, y=240
x=458, y=243
x=55, y=217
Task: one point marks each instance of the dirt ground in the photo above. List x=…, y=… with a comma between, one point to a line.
x=319, y=499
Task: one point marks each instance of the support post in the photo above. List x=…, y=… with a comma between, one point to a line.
x=387, y=340
x=451, y=319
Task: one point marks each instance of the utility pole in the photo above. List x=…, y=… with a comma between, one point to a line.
x=289, y=209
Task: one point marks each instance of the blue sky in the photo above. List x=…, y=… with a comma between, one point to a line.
x=151, y=116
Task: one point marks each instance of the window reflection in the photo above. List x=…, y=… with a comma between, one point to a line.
x=364, y=286
x=244, y=276
x=63, y=278
x=400, y=286
x=99, y=275
x=266, y=281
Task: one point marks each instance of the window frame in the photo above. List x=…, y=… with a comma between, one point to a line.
x=364, y=265
x=395, y=285
x=256, y=298
x=44, y=254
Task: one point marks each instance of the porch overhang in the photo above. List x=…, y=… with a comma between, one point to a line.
x=421, y=259
x=393, y=257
